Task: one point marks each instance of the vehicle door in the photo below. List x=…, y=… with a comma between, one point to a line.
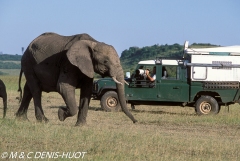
x=173, y=86
x=141, y=88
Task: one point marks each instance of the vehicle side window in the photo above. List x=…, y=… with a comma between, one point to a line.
x=141, y=77
x=171, y=72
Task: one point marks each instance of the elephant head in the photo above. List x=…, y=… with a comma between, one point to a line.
x=91, y=56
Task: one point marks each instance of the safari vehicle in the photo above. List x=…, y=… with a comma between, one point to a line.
x=205, y=78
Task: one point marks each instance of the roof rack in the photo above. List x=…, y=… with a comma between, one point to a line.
x=159, y=59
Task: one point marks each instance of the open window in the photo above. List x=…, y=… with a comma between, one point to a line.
x=170, y=72
x=141, y=77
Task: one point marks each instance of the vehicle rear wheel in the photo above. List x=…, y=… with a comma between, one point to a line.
x=110, y=102
x=206, y=105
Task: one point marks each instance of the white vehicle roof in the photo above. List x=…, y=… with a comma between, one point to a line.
x=231, y=50
x=164, y=62
x=147, y=62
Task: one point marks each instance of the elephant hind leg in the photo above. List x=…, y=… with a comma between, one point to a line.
x=39, y=114
x=31, y=90
x=37, y=98
x=22, y=111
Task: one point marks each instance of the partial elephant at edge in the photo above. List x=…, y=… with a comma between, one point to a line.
x=3, y=95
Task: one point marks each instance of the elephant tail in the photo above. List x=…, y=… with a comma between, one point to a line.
x=19, y=85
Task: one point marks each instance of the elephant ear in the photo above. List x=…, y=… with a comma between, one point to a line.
x=79, y=55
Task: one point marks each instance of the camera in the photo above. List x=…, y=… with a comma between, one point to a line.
x=140, y=71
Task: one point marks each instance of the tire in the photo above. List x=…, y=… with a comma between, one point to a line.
x=207, y=105
x=110, y=102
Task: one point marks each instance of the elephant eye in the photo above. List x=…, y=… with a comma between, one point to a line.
x=105, y=61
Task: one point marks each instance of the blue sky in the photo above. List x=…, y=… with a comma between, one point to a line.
x=121, y=23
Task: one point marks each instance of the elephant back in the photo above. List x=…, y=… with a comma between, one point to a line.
x=50, y=44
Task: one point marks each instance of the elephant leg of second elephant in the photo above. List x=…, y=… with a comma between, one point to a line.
x=22, y=111
x=85, y=96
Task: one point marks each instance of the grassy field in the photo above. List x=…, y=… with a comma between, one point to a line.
x=11, y=72
x=162, y=133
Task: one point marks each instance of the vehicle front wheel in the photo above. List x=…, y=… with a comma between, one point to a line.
x=110, y=102
x=206, y=105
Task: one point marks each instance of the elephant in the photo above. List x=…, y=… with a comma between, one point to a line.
x=56, y=63
x=3, y=94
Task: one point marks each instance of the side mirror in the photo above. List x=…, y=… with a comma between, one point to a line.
x=128, y=75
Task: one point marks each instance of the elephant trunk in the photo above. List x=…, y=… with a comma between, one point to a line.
x=121, y=96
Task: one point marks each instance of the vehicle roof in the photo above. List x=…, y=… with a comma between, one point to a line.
x=164, y=62
x=232, y=50
x=147, y=62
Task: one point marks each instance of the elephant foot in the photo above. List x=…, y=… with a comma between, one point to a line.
x=42, y=119
x=61, y=114
x=80, y=124
x=21, y=117
x=81, y=121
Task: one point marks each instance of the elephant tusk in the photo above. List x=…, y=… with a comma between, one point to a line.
x=116, y=81
x=126, y=83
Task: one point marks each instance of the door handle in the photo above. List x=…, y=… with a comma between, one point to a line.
x=175, y=87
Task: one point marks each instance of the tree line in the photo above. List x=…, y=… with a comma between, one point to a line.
x=7, y=57
x=10, y=61
x=130, y=57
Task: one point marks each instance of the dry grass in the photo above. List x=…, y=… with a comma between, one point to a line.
x=162, y=133
x=14, y=72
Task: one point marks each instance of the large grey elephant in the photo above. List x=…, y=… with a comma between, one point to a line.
x=3, y=94
x=63, y=63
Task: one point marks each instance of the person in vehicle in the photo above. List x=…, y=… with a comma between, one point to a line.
x=151, y=77
x=164, y=73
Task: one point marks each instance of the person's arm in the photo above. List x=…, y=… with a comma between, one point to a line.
x=150, y=78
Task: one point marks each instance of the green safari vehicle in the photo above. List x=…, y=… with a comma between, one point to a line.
x=203, y=81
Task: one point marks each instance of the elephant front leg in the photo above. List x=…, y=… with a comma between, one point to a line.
x=85, y=97
x=68, y=94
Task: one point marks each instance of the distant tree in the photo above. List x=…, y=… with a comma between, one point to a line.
x=9, y=65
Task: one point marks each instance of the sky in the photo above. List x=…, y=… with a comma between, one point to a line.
x=121, y=23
